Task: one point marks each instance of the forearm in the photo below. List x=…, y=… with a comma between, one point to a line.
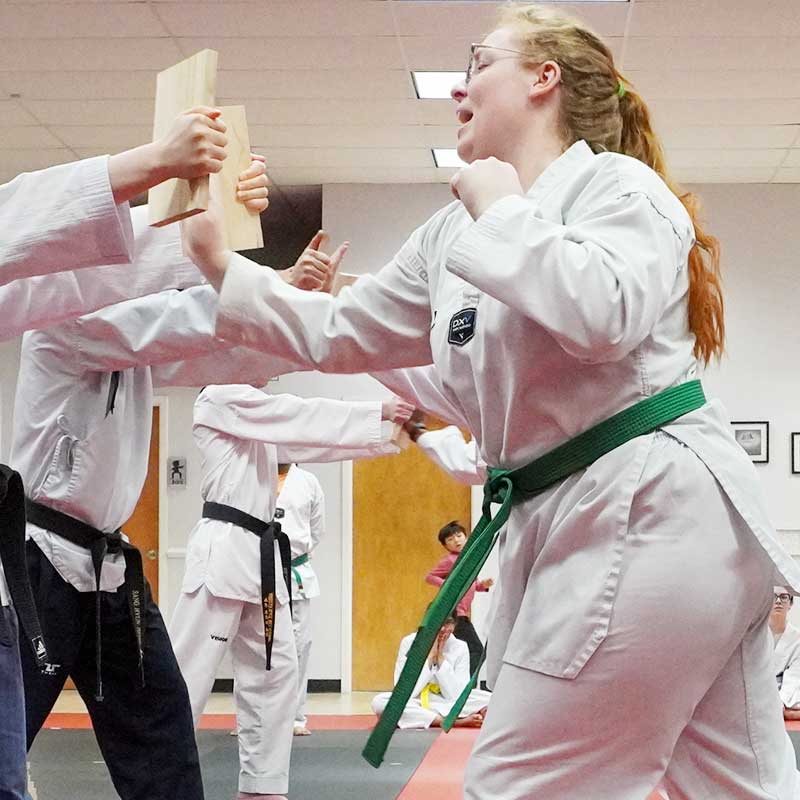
x=135, y=171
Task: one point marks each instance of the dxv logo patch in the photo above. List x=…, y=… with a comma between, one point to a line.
x=279, y=513
x=462, y=326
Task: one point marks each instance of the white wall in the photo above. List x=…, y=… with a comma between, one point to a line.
x=756, y=381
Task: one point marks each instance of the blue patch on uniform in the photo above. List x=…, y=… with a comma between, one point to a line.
x=462, y=326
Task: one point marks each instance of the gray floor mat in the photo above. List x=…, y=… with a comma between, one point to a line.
x=66, y=765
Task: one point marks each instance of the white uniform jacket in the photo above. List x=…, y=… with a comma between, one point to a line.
x=91, y=465
x=452, y=675
x=787, y=666
x=243, y=433
x=551, y=312
x=303, y=504
x=152, y=261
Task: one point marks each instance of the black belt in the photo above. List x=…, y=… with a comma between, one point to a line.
x=12, y=555
x=99, y=544
x=268, y=532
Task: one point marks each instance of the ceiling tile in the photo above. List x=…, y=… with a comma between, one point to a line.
x=12, y=114
x=315, y=84
x=790, y=175
x=267, y=136
x=321, y=175
x=81, y=85
x=92, y=112
x=792, y=159
x=715, y=17
x=724, y=175
x=68, y=20
x=27, y=137
x=716, y=84
x=711, y=52
x=726, y=158
x=348, y=157
x=109, y=138
x=689, y=111
x=730, y=136
x=328, y=52
x=296, y=111
x=16, y=161
x=88, y=54
x=272, y=18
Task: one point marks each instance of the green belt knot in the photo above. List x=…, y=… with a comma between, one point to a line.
x=495, y=490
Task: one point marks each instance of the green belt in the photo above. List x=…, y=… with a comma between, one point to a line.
x=505, y=487
x=296, y=562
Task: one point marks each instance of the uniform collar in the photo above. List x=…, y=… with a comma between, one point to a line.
x=569, y=162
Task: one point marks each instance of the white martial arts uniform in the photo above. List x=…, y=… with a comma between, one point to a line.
x=451, y=677
x=786, y=659
x=551, y=312
x=243, y=434
x=448, y=449
x=64, y=218
x=302, y=503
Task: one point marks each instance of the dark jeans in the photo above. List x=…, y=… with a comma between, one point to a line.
x=465, y=631
x=12, y=711
x=145, y=734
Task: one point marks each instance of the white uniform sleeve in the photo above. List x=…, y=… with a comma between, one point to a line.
x=453, y=677
x=157, y=264
x=422, y=387
x=379, y=322
x=164, y=327
x=61, y=218
x=239, y=365
x=316, y=520
x=459, y=458
x=598, y=283
x=288, y=422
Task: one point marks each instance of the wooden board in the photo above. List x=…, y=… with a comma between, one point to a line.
x=190, y=83
x=242, y=226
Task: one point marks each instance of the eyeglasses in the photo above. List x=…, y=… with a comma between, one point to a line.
x=474, y=47
x=782, y=598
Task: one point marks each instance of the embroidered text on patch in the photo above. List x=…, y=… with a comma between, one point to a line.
x=462, y=326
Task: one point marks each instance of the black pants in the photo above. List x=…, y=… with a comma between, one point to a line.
x=145, y=734
x=465, y=631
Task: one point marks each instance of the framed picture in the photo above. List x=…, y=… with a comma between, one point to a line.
x=754, y=439
x=796, y=453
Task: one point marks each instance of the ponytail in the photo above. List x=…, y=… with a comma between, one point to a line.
x=706, y=306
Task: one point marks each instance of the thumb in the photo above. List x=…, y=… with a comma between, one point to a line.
x=338, y=254
x=316, y=240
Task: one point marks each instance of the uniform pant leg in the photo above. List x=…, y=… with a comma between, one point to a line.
x=301, y=624
x=265, y=701
x=145, y=733
x=465, y=631
x=736, y=745
x=63, y=613
x=202, y=629
x=692, y=584
x=413, y=716
x=12, y=718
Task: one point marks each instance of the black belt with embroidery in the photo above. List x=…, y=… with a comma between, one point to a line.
x=12, y=555
x=268, y=532
x=99, y=544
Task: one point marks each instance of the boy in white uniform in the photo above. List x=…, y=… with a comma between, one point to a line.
x=570, y=283
x=787, y=652
x=75, y=216
x=443, y=678
x=301, y=512
x=228, y=599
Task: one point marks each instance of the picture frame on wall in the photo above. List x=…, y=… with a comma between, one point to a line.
x=796, y=454
x=753, y=438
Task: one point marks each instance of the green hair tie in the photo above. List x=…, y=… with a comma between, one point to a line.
x=621, y=90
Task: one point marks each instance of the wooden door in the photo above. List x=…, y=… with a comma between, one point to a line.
x=399, y=505
x=142, y=527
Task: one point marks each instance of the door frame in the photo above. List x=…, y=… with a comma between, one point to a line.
x=162, y=403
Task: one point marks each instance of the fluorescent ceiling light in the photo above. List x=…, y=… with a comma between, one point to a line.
x=447, y=157
x=435, y=85
x=494, y=2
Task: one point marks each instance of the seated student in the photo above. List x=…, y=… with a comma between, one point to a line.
x=453, y=537
x=443, y=678
x=787, y=652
